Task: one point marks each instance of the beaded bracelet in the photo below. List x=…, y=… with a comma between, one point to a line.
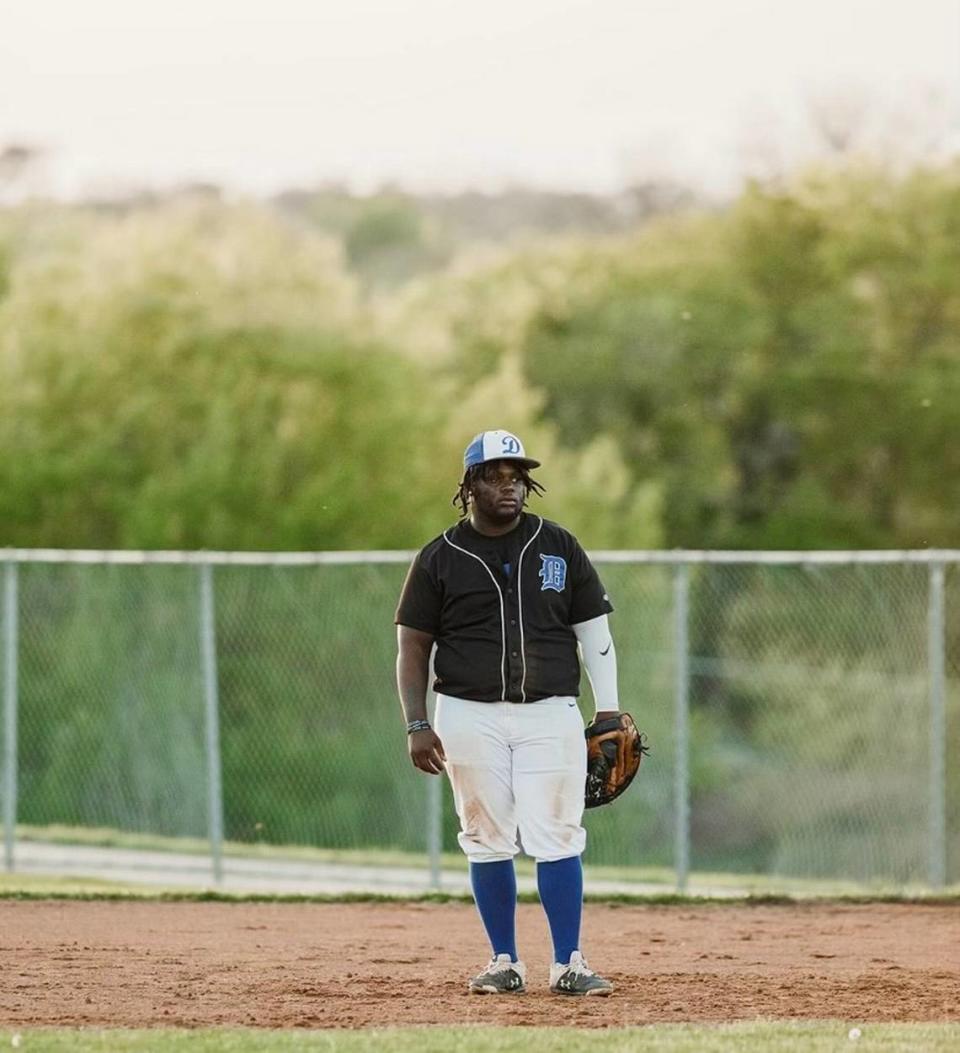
x=418, y=725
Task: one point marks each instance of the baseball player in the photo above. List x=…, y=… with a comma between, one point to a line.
x=507, y=599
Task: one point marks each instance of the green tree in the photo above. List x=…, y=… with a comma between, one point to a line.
x=187, y=380
x=787, y=368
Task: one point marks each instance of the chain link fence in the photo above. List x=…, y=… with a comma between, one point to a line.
x=800, y=708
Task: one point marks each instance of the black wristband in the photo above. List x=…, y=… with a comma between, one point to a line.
x=417, y=725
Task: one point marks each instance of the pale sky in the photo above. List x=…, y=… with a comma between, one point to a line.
x=569, y=94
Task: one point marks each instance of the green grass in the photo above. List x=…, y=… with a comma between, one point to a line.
x=753, y=1037
x=28, y=885
x=34, y=887
x=109, y=837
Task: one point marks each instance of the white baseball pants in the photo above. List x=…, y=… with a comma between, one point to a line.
x=515, y=768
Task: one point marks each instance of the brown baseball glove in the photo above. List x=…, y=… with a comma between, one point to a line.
x=614, y=750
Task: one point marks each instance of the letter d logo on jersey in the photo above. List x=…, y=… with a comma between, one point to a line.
x=553, y=573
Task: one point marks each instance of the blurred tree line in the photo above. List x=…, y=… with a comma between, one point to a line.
x=780, y=372
x=188, y=371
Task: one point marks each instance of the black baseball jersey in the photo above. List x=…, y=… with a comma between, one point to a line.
x=501, y=609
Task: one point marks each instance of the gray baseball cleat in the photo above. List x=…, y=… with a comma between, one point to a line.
x=501, y=976
x=576, y=979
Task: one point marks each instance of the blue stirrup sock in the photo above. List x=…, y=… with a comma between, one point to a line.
x=495, y=891
x=560, y=885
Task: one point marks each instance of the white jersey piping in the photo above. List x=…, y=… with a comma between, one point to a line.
x=523, y=646
x=503, y=622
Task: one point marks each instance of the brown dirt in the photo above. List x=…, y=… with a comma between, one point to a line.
x=129, y=964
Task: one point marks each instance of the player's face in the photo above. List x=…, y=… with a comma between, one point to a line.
x=499, y=492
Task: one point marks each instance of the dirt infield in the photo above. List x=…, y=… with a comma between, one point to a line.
x=130, y=964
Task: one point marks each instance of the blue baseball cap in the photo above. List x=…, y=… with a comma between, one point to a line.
x=496, y=446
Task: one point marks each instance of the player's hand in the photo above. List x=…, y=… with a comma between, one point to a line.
x=426, y=751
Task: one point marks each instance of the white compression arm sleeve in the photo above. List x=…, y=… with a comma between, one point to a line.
x=599, y=660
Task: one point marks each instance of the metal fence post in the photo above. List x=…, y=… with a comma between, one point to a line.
x=936, y=667
x=434, y=796
x=434, y=827
x=681, y=647
x=9, y=712
x=208, y=651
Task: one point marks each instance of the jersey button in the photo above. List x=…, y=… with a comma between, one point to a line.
x=515, y=653
x=513, y=621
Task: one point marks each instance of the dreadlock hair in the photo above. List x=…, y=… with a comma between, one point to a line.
x=461, y=499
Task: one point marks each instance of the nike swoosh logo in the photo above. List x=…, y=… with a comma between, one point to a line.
x=607, y=648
